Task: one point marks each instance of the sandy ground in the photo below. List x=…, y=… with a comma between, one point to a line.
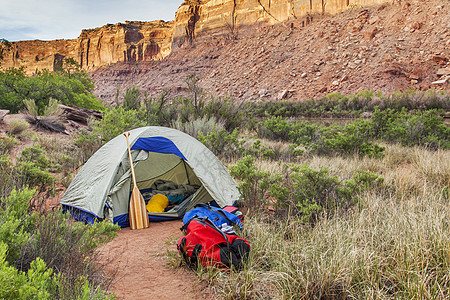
x=138, y=261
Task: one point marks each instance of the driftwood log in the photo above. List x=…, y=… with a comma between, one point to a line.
x=79, y=115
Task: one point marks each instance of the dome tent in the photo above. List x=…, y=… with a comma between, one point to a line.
x=101, y=189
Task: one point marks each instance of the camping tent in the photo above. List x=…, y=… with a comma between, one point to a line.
x=101, y=189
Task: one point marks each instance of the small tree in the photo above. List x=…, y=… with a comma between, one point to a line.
x=4, y=47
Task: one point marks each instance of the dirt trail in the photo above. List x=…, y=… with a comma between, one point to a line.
x=138, y=258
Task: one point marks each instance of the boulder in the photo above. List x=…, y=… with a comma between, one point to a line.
x=3, y=113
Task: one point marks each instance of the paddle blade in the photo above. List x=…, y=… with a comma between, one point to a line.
x=138, y=211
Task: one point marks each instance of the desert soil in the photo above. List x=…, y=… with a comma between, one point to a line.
x=138, y=261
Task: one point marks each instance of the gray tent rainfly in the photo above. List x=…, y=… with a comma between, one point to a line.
x=162, y=157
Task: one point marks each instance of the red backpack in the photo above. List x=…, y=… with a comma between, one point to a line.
x=206, y=243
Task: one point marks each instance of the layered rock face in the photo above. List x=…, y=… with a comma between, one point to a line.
x=39, y=55
x=129, y=42
x=196, y=18
x=95, y=48
x=145, y=41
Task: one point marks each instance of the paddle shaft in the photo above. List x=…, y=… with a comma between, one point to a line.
x=127, y=134
x=137, y=211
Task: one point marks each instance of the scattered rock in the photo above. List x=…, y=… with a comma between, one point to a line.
x=335, y=83
x=374, y=20
x=283, y=95
x=442, y=81
x=370, y=34
x=439, y=59
x=304, y=75
x=440, y=72
x=264, y=93
x=3, y=113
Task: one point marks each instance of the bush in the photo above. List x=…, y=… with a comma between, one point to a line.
x=204, y=125
x=301, y=191
x=132, y=99
x=14, y=222
x=115, y=121
x=7, y=143
x=307, y=192
x=68, y=247
x=232, y=114
x=17, y=126
x=33, y=246
x=48, y=117
x=424, y=128
x=223, y=144
x=353, y=138
x=338, y=105
x=253, y=183
x=34, y=284
x=30, y=169
x=73, y=87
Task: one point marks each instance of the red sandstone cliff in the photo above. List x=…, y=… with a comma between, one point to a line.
x=145, y=41
x=95, y=48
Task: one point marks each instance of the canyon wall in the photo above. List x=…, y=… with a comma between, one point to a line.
x=94, y=48
x=129, y=42
x=144, y=41
x=196, y=18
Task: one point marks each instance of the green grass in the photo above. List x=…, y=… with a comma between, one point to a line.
x=393, y=245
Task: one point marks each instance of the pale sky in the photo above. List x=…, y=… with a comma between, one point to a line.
x=64, y=19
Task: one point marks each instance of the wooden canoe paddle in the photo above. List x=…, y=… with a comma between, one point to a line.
x=137, y=211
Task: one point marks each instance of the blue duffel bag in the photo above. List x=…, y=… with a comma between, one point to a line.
x=216, y=215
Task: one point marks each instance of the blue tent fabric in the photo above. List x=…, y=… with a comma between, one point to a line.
x=124, y=220
x=157, y=144
x=80, y=214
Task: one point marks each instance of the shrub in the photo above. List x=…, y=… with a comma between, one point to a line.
x=49, y=117
x=301, y=190
x=34, y=284
x=421, y=128
x=32, y=169
x=26, y=171
x=14, y=220
x=62, y=153
x=307, y=192
x=204, y=125
x=70, y=86
x=68, y=247
x=232, y=114
x=17, y=126
x=258, y=150
x=222, y=144
x=29, y=174
x=132, y=99
x=157, y=110
x=7, y=143
x=338, y=105
x=253, y=183
x=115, y=121
x=352, y=138
x=32, y=246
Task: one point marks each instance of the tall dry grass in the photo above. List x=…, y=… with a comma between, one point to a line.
x=394, y=245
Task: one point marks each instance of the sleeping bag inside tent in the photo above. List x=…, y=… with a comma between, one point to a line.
x=167, y=162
